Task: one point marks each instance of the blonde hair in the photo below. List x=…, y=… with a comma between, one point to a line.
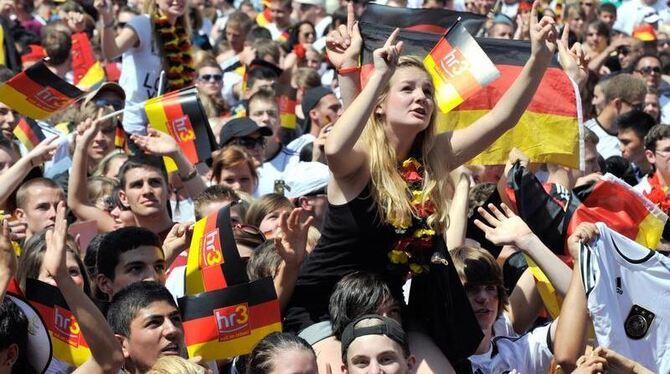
x=388, y=189
x=175, y=365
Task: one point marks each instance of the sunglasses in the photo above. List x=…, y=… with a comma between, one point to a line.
x=624, y=51
x=639, y=106
x=116, y=104
x=648, y=70
x=211, y=77
x=248, y=142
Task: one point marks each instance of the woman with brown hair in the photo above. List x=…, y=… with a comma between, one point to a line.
x=234, y=168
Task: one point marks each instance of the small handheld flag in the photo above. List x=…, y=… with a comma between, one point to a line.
x=459, y=68
x=38, y=93
x=29, y=133
x=180, y=114
x=88, y=71
x=213, y=261
x=230, y=321
x=67, y=339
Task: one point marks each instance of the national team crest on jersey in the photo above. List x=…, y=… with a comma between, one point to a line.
x=638, y=322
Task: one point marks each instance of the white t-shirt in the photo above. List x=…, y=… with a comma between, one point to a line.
x=527, y=354
x=297, y=144
x=626, y=282
x=273, y=170
x=608, y=145
x=631, y=13
x=140, y=70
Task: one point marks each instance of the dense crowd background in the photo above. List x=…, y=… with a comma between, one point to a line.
x=345, y=195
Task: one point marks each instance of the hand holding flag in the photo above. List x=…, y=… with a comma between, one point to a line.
x=43, y=152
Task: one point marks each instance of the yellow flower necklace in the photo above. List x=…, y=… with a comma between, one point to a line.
x=413, y=250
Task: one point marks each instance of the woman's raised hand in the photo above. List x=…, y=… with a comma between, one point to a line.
x=156, y=143
x=543, y=35
x=343, y=45
x=386, y=58
x=104, y=8
x=291, y=236
x=54, y=257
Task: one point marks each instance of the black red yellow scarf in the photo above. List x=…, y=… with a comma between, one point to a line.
x=175, y=43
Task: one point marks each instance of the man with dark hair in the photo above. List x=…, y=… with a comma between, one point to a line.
x=607, y=14
x=13, y=338
x=622, y=93
x=129, y=255
x=146, y=321
x=36, y=202
x=633, y=127
x=657, y=151
x=321, y=108
x=144, y=191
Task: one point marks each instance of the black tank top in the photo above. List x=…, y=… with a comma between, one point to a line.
x=354, y=238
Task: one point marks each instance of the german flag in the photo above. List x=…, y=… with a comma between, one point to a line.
x=88, y=71
x=29, y=133
x=67, y=339
x=180, y=114
x=229, y=322
x=120, y=138
x=459, y=68
x=549, y=130
x=286, y=97
x=213, y=261
x=38, y=93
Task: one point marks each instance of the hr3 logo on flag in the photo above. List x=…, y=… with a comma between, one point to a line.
x=48, y=99
x=232, y=321
x=211, y=253
x=182, y=129
x=66, y=327
x=453, y=64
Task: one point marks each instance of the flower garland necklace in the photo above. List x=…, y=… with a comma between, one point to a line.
x=176, y=47
x=413, y=251
x=658, y=194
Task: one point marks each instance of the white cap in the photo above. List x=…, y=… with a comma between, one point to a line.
x=305, y=178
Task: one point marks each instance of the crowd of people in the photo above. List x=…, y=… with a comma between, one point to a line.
x=354, y=203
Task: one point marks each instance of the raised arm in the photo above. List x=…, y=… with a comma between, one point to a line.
x=106, y=355
x=77, y=195
x=467, y=143
x=12, y=178
x=344, y=153
x=343, y=47
x=8, y=261
x=290, y=242
x=574, y=320
x=458, y=210
x=505, y=227
x=113, y=46
x=162, y=144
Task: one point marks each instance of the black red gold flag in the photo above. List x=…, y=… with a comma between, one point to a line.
x=213, y=261
x=549, y=130
x=180, y=114
x=38, y=93
x=229, y=322
x=87, y=70
x=29, y=132
x=67, y=339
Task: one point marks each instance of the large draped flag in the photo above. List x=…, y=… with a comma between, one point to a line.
x=87, y=70
x=38, y=93
x=213, y=261
x=67, y=339
x=549, y=130
x=230, y=321
x=553, y=217
x=180, y=114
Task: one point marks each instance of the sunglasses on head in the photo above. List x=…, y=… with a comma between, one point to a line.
x=248, y=142
x=648, y=70
x=210, y=77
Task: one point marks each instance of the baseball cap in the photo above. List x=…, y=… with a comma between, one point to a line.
x=240, y=127
x=39, y=343
x=305, y=178
x=105, y=87
x=501, y=18
x=385, y=326
x=311, y=99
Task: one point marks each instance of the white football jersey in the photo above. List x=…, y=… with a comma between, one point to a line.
x=628, y=298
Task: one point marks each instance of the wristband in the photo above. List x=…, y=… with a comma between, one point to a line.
x=109, y=25
x=190, y=176
x=349, y=70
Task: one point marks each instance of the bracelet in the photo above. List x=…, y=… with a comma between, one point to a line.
x=190, y=176
x=349, y=70
x=109, y=25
